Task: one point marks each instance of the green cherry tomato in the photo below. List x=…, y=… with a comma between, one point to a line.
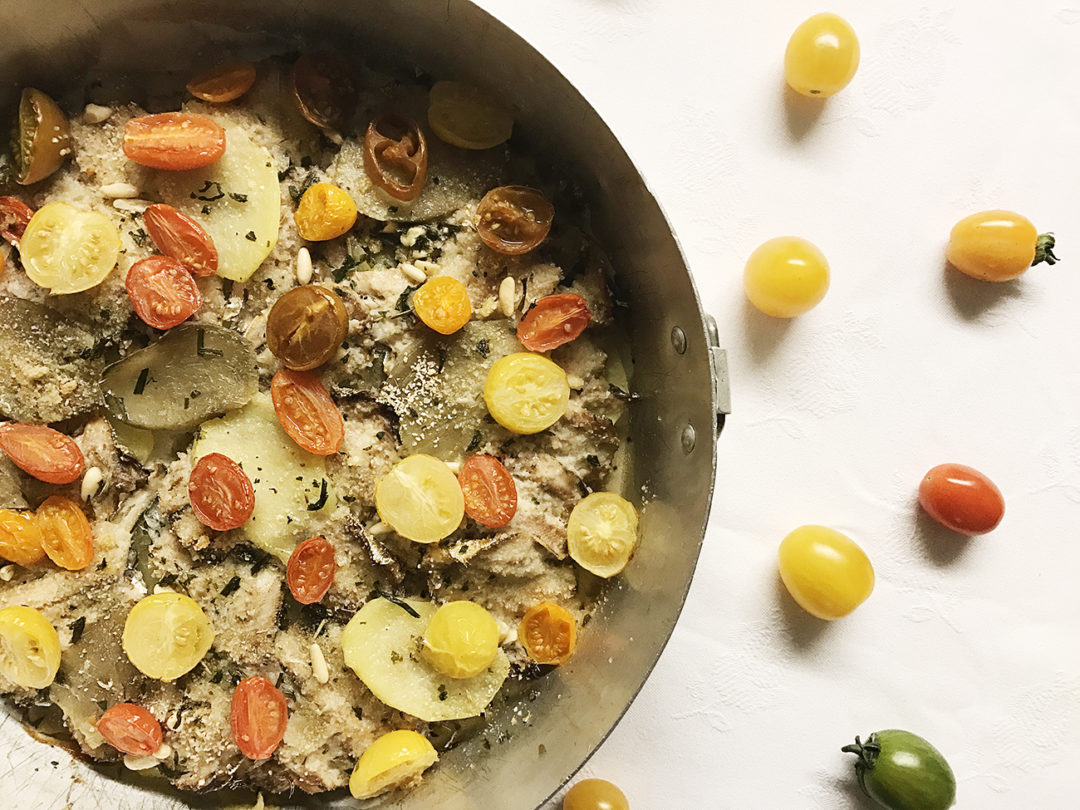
x=786, y=276
x=595, y=794
x=825, y=571
x=902, y=771
x=822, y=56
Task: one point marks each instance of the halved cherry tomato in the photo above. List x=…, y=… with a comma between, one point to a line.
x=962, y=499
x=223, y=83
x=130, y=729
x=180, y=237
x=174, y=141
x=310, y=571
x=258, y=717
x=162, y=291
x=14, y=217
x=44, y=453
x=65, y=533
x=307, y=412
x=323, y=90
x=395, y=156
x=220, y=492
x=555, y=320
x=42, y=139
x=20, y=537
x=548, y=633
x=443, y=304
x=489, y=490
x=513, y=219
x=306, y=326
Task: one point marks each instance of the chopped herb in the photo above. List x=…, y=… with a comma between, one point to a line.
x=341, y=272
x=226, y=287
x=395, y=657
x=195, y=393
x=140, y=237
x=475, y=441
x=626, y=396
x=206, y=209
x=217, y=676
x=294, y=192
x=200, y=345
x=231, y=587
x=204, y=192
x=403, y=299
x=269, y=282
x=392, y=209
x=380, y=434
x=359, y=712
x=167, y=580
x=443, y=694
x=593, y=460
x=483, y=348
x=77, y=628
x=140, y=384
x=401, y=603
x=238, y=197
x=321, y=502
x=250, y=236
x=186, y=403
x=101, y=566
x=305, y=161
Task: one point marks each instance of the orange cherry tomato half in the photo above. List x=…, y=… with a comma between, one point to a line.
x=548, y=633
x=14, y=217
x=961, y=499
x=443, y=304
x=220, y=492
x=180, y=237
x=44, y=453
x=162, y=291
x=513, y=219
x=223, y=83
x=555, y=320
x=258, y=717
x=65, y=533
x=20, y=537
x=310, y=571
x=173, y=141
x=395, y=156
x=307, y=412
x=489, y=490
x=130, y=729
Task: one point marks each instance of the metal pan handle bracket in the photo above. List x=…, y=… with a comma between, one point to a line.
x=721, y=381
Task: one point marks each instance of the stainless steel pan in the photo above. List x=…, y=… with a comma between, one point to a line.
x=679, y=372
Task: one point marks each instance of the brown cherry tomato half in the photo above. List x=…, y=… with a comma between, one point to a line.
x=323, y=90
x=555, y=320
x=130, y=729
x=548, y=633
x=306, y=326
x=258, y=717
x=162, y=291
x=489, y=490
x=223, y=83
x=220, y=492
x=14, y=217
x=513, y=219
x=20, y=538
x=174, y=141
x=307, y=412
x=65, y=533
x=310, y=571
x=961, y=499
x=43, y=139
x=395, y=156
x=180, y=237
x=44, y=453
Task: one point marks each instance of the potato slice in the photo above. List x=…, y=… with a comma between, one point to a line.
x=291, y=486
x=382, y=646
x=236, y=200
x=191, y=374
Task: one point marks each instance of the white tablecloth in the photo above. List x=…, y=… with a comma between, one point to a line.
x=973, y=644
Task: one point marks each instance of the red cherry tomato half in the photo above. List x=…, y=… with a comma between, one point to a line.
x=962, y=499
x=44, y=453
x=307, y=412
x=258, y=717
x=310, y=571
x=555, y=320
x=220, y=492
x=14, y=217
x=179, y=236
x=130, y=729
x=162, y=291
x=173, y=141
x=489, y=490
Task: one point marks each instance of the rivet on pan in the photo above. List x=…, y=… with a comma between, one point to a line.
x=689, y=439
x=678, y=339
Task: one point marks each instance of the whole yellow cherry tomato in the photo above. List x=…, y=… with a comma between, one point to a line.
x=786, y=276
x=822, y=56
x=998, y=246
x=825, y=571
x=595, y=794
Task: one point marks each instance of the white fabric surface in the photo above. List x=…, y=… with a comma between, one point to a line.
x=973, y=644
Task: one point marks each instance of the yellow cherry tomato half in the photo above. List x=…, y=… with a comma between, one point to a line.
x=822, y=56
x=526, y=392
x=29, y=647
x=786, y=276
x=420, y=499
x=443, y=304
x=461, y=640
x=67, y=250
x=166, y=635
x=602, y=532
x=395, y=758
x=595, y=794
x=466, y=117
x=325, y=212
x=825, y=571
x=998, y=246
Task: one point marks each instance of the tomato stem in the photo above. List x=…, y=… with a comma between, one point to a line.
x=866, y=752
x=1044, y=249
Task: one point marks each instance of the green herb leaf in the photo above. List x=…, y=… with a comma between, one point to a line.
x=140, y=384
